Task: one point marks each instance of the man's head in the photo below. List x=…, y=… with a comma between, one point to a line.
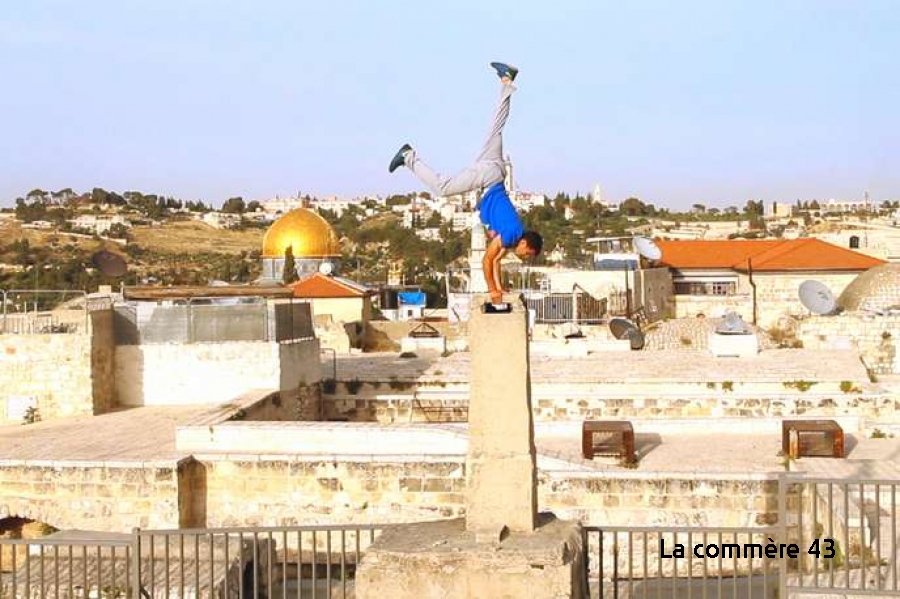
x=529, y=246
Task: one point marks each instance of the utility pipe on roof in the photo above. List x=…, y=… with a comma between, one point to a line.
x=752, y=284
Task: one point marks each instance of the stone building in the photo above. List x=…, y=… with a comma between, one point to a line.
x=868, y=322
x=758, y=279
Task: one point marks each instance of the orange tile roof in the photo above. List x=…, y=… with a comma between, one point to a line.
x=320, y=286
x=771, y=255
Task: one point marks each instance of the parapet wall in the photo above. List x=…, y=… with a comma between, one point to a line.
x=874, y=336
x=211, y=373
x=402, y=402
x=108, y=496
x=61, y=374
x=272, y=490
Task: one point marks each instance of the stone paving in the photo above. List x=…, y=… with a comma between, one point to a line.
x=650, y=366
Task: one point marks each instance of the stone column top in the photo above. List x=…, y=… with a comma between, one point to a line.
x=515, y=300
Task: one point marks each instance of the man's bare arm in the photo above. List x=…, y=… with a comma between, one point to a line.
x=491, y=267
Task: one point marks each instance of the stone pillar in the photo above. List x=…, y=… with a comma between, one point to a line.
x=501, y=549
x=500, y=465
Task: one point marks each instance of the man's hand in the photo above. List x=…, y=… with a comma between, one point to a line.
x=496, y=296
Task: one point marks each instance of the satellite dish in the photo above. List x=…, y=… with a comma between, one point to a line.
x=732, y=324
x=326, y=268
x=647, y=248
x=817, y=298
x=110, y=264
x=622, y=328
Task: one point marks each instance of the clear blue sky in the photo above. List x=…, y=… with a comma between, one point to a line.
x=675, y=102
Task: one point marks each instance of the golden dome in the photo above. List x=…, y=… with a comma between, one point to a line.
x=309, y=234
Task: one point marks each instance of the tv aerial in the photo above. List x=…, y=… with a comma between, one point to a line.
x=110, y=264
x=817, y=298
x=647, y=248
x=622, y=328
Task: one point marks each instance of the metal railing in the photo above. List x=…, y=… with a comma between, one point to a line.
x=297, y=561
x=301, y=561
x=645, y=562
x=42, y=311
x=213, y=320
x=859, y=520
x=65, y=568
x=845, y=535
x=576, y=307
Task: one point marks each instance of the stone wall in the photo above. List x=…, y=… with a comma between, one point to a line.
x=270, y=490
x=61, y=374
x=777, y=293
x=108, y=496
x=689, y=306
x=776, y=297
x=873, y=336
x=401, y=402
x=198, y=373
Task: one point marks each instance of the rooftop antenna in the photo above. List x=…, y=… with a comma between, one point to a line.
x=866, y=217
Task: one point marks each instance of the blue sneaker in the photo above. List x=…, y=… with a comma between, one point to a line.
x=505, y=70
x=399, y=158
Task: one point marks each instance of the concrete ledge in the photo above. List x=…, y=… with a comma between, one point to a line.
x=320, y=438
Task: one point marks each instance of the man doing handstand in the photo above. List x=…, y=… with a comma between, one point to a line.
x=488, y=173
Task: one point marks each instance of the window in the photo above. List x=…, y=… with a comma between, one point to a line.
x=854, y=242
x=705, y=287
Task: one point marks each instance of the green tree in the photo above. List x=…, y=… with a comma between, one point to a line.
x=99, y=195
x=36, y=195
x=633, y=207
x=434, y=220
x=234, y=205
x=752, y=208
x=289, y=273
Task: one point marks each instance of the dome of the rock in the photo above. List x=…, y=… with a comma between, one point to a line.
x=308, y=234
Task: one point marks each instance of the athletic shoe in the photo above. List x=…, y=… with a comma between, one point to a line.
x=505, y=70
x=399, y=158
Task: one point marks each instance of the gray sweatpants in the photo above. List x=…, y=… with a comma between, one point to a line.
x=489, y=167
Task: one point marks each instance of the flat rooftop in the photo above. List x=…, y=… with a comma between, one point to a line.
x=730, y=447
x=688, y=366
